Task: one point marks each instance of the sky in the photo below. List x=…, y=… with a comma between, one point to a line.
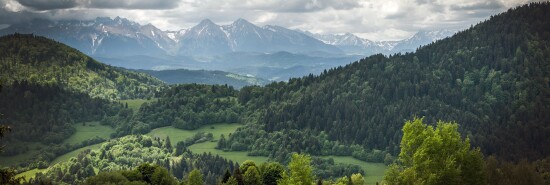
x=377, y=20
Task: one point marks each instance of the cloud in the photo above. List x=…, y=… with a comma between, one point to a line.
x=374, y=19
x=288, y=6
x=42, y=5
x=48, y=4
x=315, y=5
x=488, y=5
x=131, y=4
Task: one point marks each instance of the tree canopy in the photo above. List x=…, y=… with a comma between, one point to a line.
x=435, y=155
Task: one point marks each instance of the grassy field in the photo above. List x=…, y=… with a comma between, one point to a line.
x=174, y=134
x=136, y=103
x=74, y=153
x=374, y=172
x=88, y=131
x=177, y=135
x=31, y=173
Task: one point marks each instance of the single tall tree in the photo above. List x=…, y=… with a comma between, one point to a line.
x=435, y=156
x=300, y=171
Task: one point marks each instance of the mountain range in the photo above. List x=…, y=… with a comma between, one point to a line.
x=269, y=52
x=104, y=36
x=352, y=44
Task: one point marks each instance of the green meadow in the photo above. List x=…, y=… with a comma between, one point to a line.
x=135, y=104
x=89, y=130
x=177, y=135
x=374, y=172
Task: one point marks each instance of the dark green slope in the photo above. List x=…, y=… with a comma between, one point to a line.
x=39, y=60
x=493, y=79
x=45, y=113
x=46, y=87
x=184, y=76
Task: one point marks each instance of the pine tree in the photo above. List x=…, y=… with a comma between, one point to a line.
x=168, y=144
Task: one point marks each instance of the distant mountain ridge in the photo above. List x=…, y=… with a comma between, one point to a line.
x=208, y=38
x=268, y=52
x=353, y=44
x=104, y=36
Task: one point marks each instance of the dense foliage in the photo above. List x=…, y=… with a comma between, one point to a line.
x=48, y=86
x=522, y=172
x=132, y=151
x=143, y=174
x=113, y=159
x=45, y=113
x=191, y=106
x=493, y=78
x=188, y=106
x=40, y=60
x=435, y=156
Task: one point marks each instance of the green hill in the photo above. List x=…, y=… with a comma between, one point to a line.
x=43, y=61
x=46, y=87
x=493, y=79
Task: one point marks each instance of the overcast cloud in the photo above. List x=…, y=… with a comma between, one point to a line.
x=372, y=19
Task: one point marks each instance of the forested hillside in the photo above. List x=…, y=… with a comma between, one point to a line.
x=45, y=113
x=42, y=61
x=188, y=106
x=492, y=78
x=46, y=87
x=191, y=106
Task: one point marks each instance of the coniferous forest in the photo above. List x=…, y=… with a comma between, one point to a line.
x=473, y=108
